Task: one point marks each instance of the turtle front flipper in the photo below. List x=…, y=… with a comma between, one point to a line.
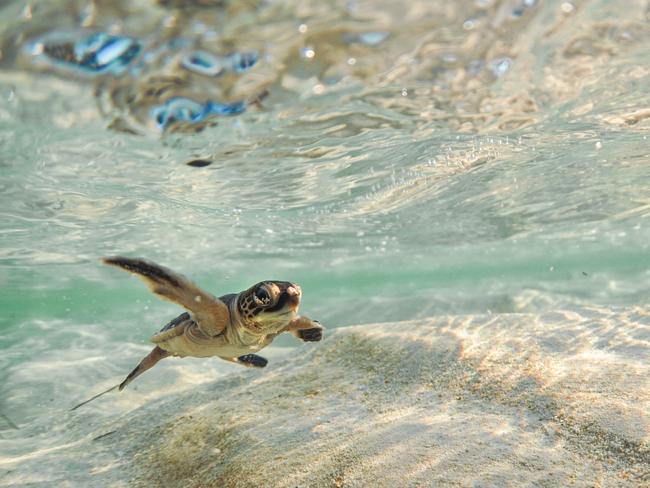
x=253, y=360
x=250, y=360
x=210, y=313
x=305, y=329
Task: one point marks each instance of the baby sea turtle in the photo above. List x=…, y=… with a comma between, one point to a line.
x=232, y=327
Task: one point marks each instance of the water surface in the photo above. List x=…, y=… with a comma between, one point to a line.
x=397, y=160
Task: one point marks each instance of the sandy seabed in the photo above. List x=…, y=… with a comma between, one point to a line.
x=559, y=399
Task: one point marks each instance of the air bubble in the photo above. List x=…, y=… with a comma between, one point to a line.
x=500, y=66
x=469, y=24
x=307, y=52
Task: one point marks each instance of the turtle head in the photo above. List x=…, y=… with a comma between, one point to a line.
x=268, y=306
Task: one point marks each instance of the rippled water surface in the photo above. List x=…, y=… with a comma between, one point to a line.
x=398, y=160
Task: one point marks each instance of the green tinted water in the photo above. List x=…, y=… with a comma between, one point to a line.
x=391, y=182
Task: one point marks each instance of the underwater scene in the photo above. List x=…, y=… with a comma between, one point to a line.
x=399, y=161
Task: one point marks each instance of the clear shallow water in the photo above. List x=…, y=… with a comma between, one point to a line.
x=482, y=157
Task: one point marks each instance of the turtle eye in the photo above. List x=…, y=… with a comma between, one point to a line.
x=263, y=295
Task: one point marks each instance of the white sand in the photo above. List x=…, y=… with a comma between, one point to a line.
x=511, y=400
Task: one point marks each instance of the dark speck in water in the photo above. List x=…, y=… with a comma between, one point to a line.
x=199, y=163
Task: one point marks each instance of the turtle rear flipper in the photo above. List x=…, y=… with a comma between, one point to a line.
x=148, y=362
x=210, y=313
x=94, y=397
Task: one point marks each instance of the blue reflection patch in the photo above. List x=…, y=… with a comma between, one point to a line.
x=92, y=54
x=208, y=64
x=203, y=62
x=241, y=62
x=182, y=109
